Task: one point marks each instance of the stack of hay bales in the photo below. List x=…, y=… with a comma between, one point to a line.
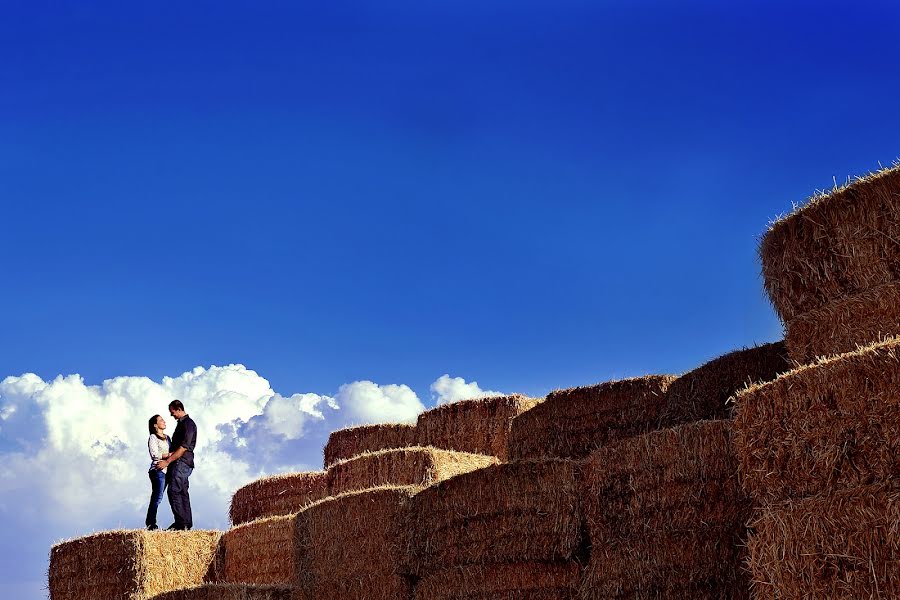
x=571, y=423
x=510, y=530
x=281, y=494
x=666, y=516
x=819, y=451
x=131, y=564
x=832, y=268
x=353, y=441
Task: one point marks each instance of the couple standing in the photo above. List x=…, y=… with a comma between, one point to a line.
x=171, y=463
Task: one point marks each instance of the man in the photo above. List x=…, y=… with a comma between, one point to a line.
x=180, y=464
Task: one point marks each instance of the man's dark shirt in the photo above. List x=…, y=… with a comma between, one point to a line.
x=185, y=436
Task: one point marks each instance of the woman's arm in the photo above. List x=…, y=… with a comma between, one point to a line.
x=155, y=453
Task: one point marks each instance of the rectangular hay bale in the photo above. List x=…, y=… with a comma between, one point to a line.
x=829, y=547
x=260, y=552
x=479, y=426
x=229, y=591
x=415, y=466
x=830, y=425
x=515, y=581
x=353, y=441
x=277, y=495
x=571, y=423
x=510, y=512
x=349, y=546
x=131, y=564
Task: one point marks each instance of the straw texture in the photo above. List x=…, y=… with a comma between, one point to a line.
x=517, y=581
x=277, y=495
x=571, y=423
x=823, y=427
x=506, y=513
x=829, y=547
x=260, y=552
x=843, y=325
x=349, y=546
x=839, y=244
x=228, y=591
x=666, y=515
x=347, y=443
x=402, y=467
x=130, y=564
x=703, y=393
x=478, y=426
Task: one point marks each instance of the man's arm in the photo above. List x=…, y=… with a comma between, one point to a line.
x=190, y=439
x=172, y=458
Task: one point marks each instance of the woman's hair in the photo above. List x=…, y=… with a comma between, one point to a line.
x=153, y=423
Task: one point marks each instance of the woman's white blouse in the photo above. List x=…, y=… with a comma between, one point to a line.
x=157, y=448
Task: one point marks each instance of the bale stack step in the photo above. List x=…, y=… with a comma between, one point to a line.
x=353, y=441
x=228, y=591
x=260, y=552
x=277, y=495
x=819, y=450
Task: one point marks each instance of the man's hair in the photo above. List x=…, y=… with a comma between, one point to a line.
x=176, y=404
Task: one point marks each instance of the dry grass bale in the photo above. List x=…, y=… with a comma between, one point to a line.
x=703, y=393
x=352, y=441
x=838, y=244
x=349, y=546
x=130, y=564
x=229, y=591
x=822, y=427
x=829, y=547
x=282, y=494
x=843, y=325
x=570, y=423
x=401, y=467
x=665, y=511
x=480, y=426
x=510, y=512
x=260, y=552
x=517, y=581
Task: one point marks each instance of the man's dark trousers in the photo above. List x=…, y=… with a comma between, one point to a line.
x=179, y=499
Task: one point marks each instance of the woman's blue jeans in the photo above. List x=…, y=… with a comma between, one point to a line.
x=158, y=483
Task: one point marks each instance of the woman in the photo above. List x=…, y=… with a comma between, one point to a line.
x=158, y=444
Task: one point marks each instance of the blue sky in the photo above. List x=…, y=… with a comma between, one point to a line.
x=527, y=195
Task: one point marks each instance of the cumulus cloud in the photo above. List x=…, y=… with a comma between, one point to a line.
x=450, y=389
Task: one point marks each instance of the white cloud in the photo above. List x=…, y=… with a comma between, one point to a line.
x=367, y=402
x=447, y=389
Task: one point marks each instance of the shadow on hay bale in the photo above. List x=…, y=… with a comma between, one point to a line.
x=571, y=423
x=401, y=467
x=518, y=581
x=838, y=244
x=826, y=426
x=505, y=513
x=260, y=552
x=131, y=564
x=353, y=441
x=479, y=426
x=349, y=546
x=228, y=591
x=829, y=547
x=666, y=515
x=703, y=393
x=282, y=494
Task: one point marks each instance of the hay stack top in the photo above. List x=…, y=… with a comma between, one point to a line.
x=353, y=441
x=837, y=244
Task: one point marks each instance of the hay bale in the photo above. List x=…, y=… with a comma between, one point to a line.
x=822, y=427
x=229, y=591
x=282, y=494
x=570, y=423
x=704, y=392
x=352, y=441
x=479, y=426
x=130, y=564
x=402, y=467
x=829, y=547
x=260, y=552
x=349, y=546
x=666, y=515
x=505, y=513
x=517, y=581
x=838, y=244
x=845, y=324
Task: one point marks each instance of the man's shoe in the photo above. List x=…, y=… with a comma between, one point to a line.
x=175, y=527
x=152, y=527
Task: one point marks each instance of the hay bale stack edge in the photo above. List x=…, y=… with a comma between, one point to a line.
x=353, y=441
x=260, y=552
x=276, y=495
